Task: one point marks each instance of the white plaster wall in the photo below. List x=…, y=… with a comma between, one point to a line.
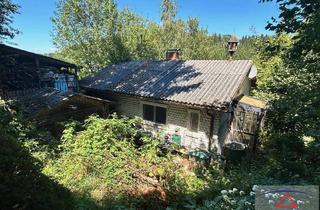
x=245, y=87
x=177, y=117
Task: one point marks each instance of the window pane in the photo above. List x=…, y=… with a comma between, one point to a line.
x=194, y=121
x=161, y=115
x=148, y=112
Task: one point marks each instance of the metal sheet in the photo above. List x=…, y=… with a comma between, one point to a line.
x=198, y=82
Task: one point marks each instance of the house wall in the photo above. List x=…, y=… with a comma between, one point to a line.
x=245, y=87
x=177, y=118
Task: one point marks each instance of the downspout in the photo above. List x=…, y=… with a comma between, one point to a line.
x=211, y=114
x=229, y=111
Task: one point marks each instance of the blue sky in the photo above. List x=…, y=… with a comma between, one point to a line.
x=218, y=16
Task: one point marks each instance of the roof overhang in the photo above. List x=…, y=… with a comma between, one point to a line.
x=219, y=107
x=253, y=72
x=44, y=59
x=252, y=104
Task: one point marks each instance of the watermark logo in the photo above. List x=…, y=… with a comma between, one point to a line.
x=287, y=197
x=292, y=204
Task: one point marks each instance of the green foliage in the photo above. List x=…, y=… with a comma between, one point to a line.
x=291, y=157
x=7, y=9
x=23, y=186
x=291, y=78
x=100, y=159
x=228, y=200
x=93, y=37
x=183, y=186
x=111, y=164
x=85, y=32
x=300, y=18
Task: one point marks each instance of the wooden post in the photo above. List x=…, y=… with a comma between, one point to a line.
x=37, y=62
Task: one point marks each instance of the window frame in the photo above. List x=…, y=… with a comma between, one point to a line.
x=144, y=114
x=154, y=111
x=189, y=120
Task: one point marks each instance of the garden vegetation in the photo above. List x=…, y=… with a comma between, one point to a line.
x=109, y=163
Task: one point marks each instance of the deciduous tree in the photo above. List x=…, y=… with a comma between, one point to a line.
x=7, y=10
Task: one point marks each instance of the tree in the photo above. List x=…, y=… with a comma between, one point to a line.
x=94, y=34
x=296, y=107
x=136, y=35
x=302, y=19
x=7, y=9
x=168, y=12
x=169, y=30
x=85, y=32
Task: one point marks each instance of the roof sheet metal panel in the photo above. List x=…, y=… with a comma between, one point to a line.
x=142, y=78
x=196, y=82
x=112, y=75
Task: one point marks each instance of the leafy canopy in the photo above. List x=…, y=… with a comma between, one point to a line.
x=95, y=33
x=7, y=9
x=296, y=83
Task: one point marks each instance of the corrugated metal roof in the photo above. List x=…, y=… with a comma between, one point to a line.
x=194, y=82
x=36, y=100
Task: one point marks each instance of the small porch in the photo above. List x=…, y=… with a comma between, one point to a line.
x=247, y=121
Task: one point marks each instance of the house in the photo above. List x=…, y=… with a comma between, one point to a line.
x=192, y=99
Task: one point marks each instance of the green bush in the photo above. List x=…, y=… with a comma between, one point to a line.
x=22, y=185
x=100, y=159
x=111, y=164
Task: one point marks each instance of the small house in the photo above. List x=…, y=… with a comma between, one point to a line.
x=192, y=99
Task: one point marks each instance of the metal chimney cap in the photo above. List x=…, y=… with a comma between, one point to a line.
x=233, y=38
x=174, y=50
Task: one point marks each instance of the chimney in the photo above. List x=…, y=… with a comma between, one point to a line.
x=232, y=46
x=173, y=54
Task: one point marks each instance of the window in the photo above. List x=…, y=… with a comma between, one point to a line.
x=161, y=115
x=148, y=112
x=194, y=118
x=155, y=114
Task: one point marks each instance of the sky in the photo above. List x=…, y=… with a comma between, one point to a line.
x=218, y=16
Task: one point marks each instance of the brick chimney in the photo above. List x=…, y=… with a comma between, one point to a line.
x=173, y=54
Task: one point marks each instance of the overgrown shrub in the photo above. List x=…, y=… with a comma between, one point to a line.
x=22, y=184
x=100, y=159
x=111, y=164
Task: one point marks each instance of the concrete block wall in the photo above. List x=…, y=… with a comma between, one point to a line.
x=177, y=118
